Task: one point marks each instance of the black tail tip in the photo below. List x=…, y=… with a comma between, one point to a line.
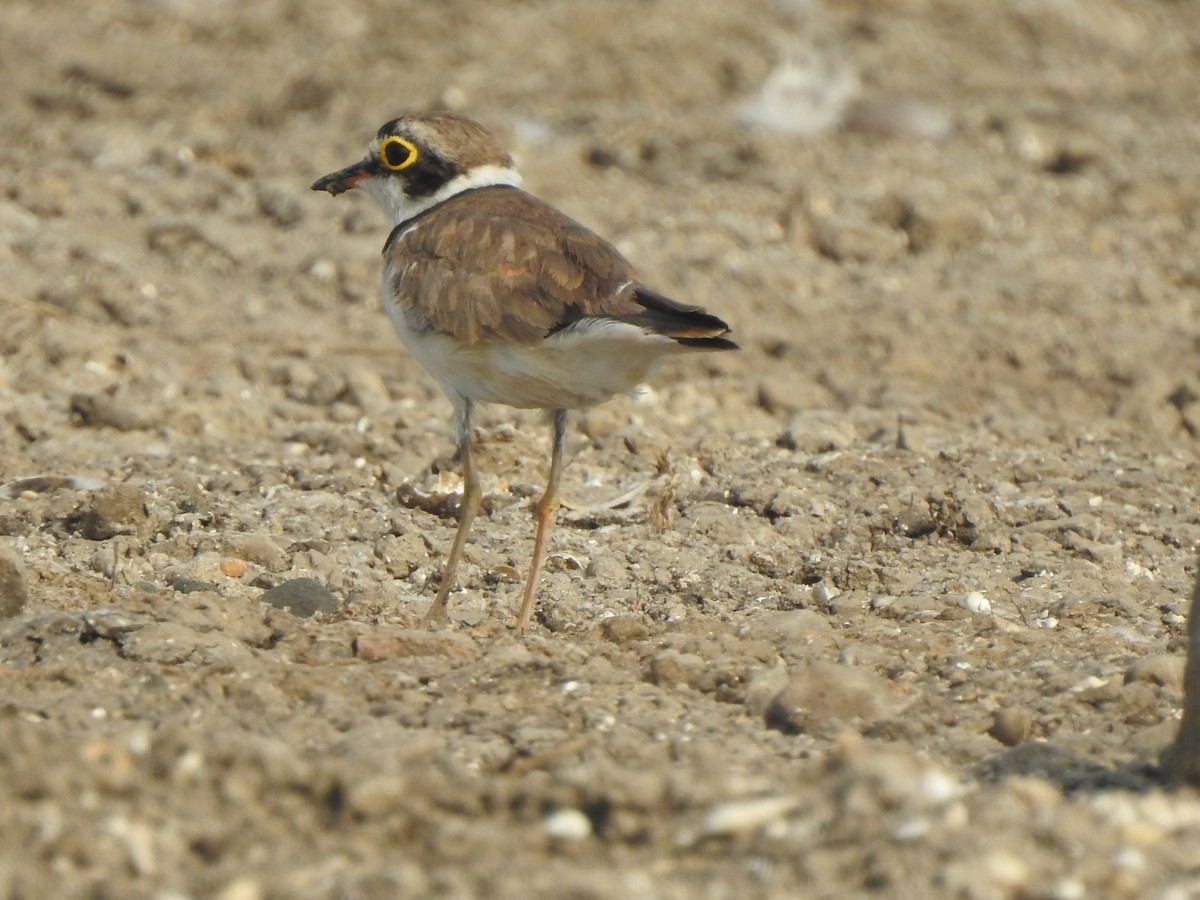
x=709, y=343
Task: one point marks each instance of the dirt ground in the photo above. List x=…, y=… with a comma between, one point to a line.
x=890, y=603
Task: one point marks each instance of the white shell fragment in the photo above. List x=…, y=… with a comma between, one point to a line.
x=937, y=787
x=1044, y=620
x=975, y=602
x=567, y=825
x=738, y=816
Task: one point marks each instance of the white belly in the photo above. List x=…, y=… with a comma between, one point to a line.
x=573, y=369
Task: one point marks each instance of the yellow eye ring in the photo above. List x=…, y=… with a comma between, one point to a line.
x=397, y=154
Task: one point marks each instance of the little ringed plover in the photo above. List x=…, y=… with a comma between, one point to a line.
x=504, y=299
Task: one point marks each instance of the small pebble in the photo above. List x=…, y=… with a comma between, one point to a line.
x=303, y=597
x=911, y=828
x=1011, y=726
x=1045, y=620
x=259, y=549
x=234, y=568
x=565, y=562
x=324, y=270
x=937, y=787
x=739, y=816
x=668, y=669
x=824, y=695
x=976, y=603
x=378, y=794
x=112, y=624
x=505, y=572
x=567, y=825
x=186, y=585
x=823, y=592
x=625, y=630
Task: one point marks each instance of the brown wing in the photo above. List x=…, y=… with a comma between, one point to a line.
x=497, y=264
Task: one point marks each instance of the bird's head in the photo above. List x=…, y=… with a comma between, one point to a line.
x=415, y=162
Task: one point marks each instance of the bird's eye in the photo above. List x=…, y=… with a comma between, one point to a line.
x=396, y=153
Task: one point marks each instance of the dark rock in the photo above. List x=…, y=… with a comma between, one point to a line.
x=303, y=597
x=191, y=585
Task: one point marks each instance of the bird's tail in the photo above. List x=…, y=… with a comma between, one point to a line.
x=690, y=326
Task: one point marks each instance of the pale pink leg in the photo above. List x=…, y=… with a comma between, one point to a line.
x=546, y=512
x=471, y=499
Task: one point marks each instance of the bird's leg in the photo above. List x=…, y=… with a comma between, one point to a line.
x=471, y=499
x=547, y=513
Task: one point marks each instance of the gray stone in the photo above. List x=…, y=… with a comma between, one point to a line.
x=303, y=597
x=825, y=695
x=186, y=585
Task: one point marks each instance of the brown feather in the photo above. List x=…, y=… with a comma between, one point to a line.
x=498, y=265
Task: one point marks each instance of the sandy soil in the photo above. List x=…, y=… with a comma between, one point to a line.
x=896, y=608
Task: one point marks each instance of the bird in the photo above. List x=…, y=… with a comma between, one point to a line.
x=504, y=299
